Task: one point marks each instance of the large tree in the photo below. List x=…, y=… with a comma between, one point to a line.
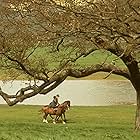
x=44, y=39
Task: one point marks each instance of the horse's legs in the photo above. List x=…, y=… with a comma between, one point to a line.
x=51, y=116
x=45, y=118
x=63, y=121
x=64, y=117
x=56, y=119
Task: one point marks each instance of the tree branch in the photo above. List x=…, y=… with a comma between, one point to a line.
x=32, y=74
x=97, y=68
x=31, y=91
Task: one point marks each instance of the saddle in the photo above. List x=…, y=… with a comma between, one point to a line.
x=54, y=108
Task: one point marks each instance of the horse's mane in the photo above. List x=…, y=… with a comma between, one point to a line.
x=66, y=101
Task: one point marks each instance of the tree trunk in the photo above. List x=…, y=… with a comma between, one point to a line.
x=135, y=80
x=137, y=119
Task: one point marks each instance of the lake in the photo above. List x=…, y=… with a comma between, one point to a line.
x=80, y=92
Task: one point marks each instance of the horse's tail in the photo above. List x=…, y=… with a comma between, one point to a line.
x=40, y=111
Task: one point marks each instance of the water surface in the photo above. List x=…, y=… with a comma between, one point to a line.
x=80, y=92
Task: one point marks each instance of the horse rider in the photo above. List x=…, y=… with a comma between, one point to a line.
x=54, y=103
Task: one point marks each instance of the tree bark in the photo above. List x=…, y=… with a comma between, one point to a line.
x=137, y=118
x=135, y=80
x=133, y=68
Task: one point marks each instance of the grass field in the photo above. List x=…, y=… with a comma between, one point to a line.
x=94, y=58
x=24, y=122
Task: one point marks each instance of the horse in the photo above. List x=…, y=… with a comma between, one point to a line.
x=58, y=112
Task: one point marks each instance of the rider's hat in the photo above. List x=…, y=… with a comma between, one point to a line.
x=57, y=95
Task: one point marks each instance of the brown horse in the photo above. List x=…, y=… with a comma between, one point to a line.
x=58, y=112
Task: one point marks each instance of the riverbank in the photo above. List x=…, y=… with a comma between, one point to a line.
x=99, y=76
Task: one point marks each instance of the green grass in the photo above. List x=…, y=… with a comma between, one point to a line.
x=53, y=61
x=84, y=123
